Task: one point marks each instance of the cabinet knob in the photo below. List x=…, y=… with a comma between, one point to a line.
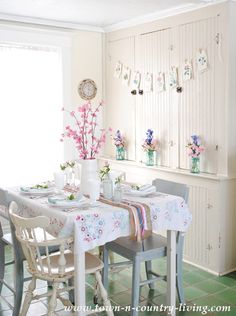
x=179, y=89
x=209, y=247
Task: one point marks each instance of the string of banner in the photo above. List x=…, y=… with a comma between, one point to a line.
x=145, y=82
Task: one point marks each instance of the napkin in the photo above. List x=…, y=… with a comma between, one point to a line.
x=63, y=201
x=139, y=190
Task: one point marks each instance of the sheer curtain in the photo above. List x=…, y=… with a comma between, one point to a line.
x=30, y=113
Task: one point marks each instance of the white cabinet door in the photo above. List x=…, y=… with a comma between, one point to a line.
x=153, y=109
x=198, y=101
x=202, y=238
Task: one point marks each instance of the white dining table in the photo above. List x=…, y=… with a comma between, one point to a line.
x=93, y=226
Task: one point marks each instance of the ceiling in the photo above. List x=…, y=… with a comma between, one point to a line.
x=97, y=15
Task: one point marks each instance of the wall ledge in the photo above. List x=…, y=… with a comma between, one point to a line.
x=131, y=163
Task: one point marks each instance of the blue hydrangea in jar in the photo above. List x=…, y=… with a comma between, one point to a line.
x=150, y=146
x=119, y=142
x=194, y=150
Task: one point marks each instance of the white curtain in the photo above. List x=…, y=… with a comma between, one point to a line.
x=31, y=119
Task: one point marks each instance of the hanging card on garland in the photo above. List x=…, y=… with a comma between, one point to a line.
x=160, y=82
x=147, y=82
x=202, y=60
x=173, y=77
x=118, y=70
x=136, y=80
x=187, y=70
x=126, y=76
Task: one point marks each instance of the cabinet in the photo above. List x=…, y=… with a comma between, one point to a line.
x=209, y=241
x=173, y=116
x=205, y=107
x=176, y=116
x=202, y=242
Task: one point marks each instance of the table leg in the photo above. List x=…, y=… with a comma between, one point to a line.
x=171, y=271
x=79, y=281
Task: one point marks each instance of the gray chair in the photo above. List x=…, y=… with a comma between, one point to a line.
x=155, y=246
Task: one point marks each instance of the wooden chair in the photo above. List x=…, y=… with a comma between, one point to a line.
x=155, y=246
x=9, y=239
x=55, y=267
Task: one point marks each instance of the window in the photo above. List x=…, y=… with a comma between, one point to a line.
x=30, y=118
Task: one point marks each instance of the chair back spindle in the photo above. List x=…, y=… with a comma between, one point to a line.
x=35, y=240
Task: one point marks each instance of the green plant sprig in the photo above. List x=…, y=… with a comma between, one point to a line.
x=71, y=197
x=118, y=180
x=104, y=171
x=67, y=164
x=40, y=186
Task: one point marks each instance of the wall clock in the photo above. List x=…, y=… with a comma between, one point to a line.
x=87, y=89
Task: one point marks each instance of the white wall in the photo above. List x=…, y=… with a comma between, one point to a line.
x=86, y=62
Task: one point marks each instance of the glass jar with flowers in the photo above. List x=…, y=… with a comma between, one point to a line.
x=150, y=147
x=195, y=149
x=68, y=169
x=119, y=142
x=118, y=192
x=88, y=139
x=107, y=184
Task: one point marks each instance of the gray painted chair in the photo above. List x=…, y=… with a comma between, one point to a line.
x=147, y=250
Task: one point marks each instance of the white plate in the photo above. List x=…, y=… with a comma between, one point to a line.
x=60, y=201
x=32, y=191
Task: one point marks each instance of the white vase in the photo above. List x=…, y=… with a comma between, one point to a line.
x=88, y=172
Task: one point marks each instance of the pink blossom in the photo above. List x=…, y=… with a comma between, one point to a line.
x=87, y=138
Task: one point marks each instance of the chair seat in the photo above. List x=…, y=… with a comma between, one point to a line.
x=7, y=239
x=92, y=263
x=129, y=248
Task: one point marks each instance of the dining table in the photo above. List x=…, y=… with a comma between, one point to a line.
x=94, y=224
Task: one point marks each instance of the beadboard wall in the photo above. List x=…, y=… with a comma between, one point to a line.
x=173, y=116
x=205, y=107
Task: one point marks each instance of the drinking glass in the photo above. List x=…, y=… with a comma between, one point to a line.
x=94, y=190
x=59, y=178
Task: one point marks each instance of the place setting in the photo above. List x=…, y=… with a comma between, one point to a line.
x=38, y=190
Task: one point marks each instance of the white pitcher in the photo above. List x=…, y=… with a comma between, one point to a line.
x=89, y=171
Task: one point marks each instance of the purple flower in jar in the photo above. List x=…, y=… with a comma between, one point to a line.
x=196, y=140
x=149, y=138
x=119, y=140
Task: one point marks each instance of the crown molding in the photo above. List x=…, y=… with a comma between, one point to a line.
x=112, y=27
x=51, y=23
x=160, y=15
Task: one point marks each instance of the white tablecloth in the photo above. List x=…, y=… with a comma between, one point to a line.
x=103, y=223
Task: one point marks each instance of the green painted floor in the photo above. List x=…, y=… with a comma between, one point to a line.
x=200, y=288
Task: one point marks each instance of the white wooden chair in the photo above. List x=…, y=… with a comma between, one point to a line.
x=56, y=267
x=9, y=239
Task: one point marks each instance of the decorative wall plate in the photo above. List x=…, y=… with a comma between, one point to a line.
x=87, y=89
